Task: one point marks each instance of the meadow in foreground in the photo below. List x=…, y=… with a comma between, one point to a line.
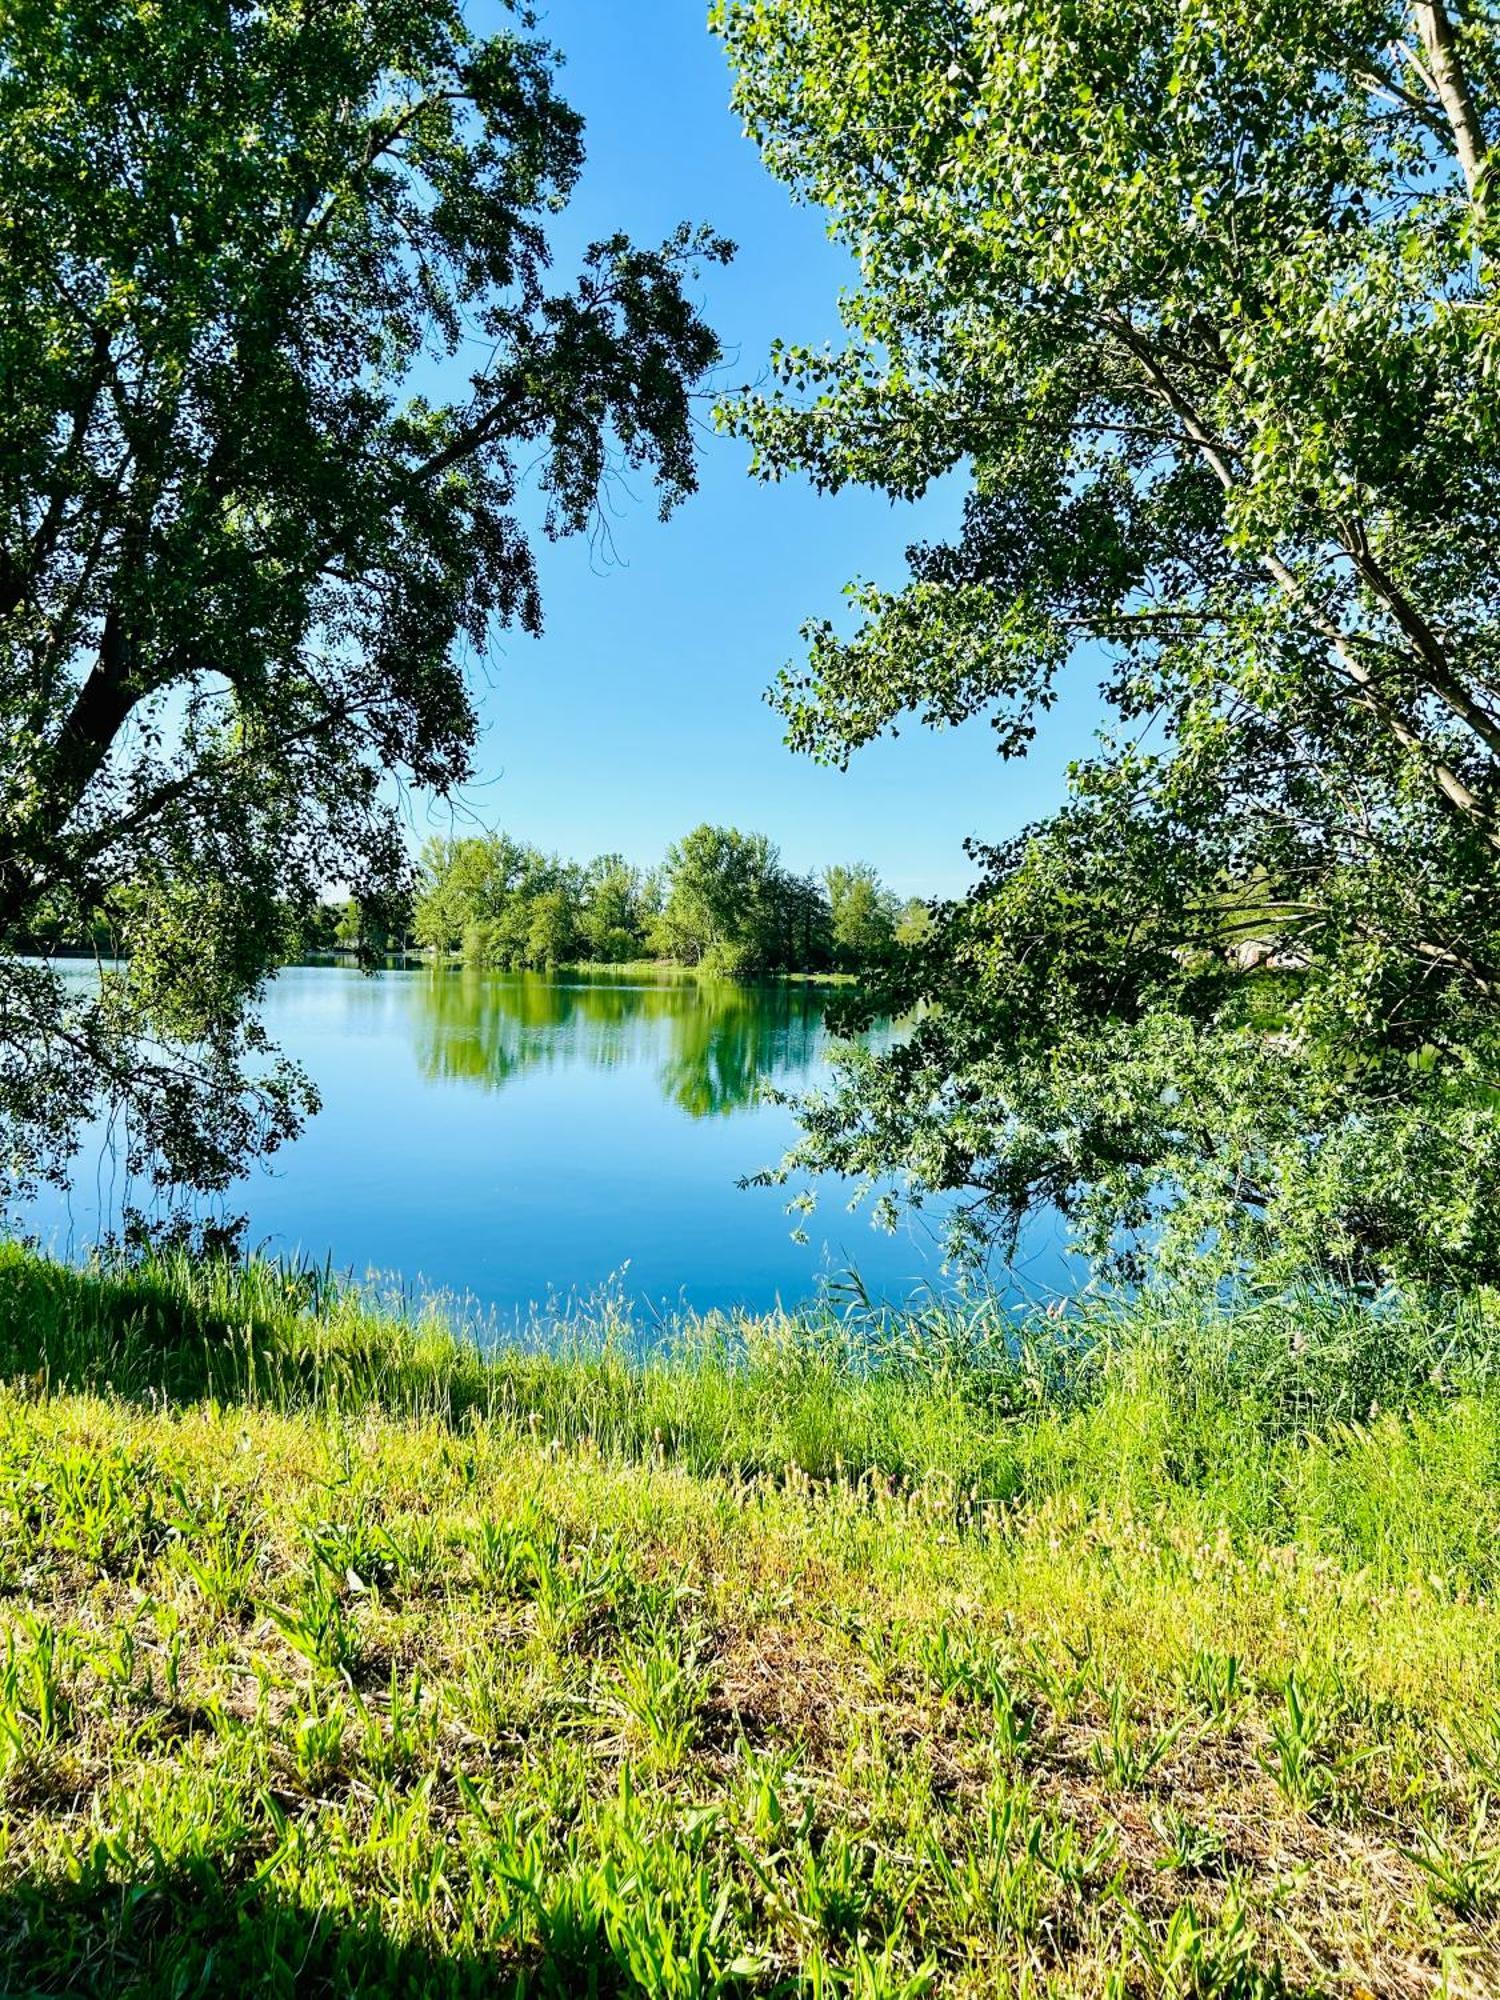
x=1153, y=1652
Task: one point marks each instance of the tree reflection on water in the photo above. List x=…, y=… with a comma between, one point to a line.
x=713, y=1042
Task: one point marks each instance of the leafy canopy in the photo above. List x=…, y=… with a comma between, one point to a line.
x=721, y=899
x=731, y=906
x=862, y=914
x=1201, y=297
x=503, y=903
x=242, y=557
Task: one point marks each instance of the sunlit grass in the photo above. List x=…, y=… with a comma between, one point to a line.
x=1153, y=1652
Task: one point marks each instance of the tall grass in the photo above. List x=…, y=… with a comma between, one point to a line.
x=1367, y=1425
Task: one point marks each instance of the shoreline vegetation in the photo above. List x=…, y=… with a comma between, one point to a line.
x=721, y=901
x=721, y=904
x=630, y=968
x=1148, y=1649
x=425, y=955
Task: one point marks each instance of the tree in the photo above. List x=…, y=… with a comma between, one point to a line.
x=370, y=929
x=499, y=902
x=1205, y=304
x=913, y=923
x=717, y=883
x=551, y=931
x=863, y=916
x=451, y=876
x=240, y=559
x=465, y=883
x=614, y=916
x=796, y=928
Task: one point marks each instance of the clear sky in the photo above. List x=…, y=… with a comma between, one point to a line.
x=639, y=712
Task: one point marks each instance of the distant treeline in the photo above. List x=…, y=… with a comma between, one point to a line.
x=721, y=900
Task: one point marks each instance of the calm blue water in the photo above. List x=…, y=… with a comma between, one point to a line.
x=515, y=1139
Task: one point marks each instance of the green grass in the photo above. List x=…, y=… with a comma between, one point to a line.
x=1153, y=1652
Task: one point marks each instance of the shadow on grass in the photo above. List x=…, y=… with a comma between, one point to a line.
x=181, y=1331
x=712, y=1396
x=198, y=1936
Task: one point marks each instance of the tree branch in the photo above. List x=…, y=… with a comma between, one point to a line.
x=1445, y=63
x=1459, y=796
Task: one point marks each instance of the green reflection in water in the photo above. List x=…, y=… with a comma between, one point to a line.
x=711, y=1041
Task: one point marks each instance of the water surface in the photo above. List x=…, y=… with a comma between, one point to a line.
x=520, y=1138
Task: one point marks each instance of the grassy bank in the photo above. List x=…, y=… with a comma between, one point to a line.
x=1152, y=1654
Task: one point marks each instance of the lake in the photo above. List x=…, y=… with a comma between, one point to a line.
x=516, y=1139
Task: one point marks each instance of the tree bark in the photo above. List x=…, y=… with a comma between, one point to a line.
x=1445, y=62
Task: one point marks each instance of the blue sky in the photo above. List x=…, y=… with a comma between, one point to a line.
x=640, y=712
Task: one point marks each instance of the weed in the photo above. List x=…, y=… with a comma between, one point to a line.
x=658, y=1691
x=1127, y=1757
x=1466, y=1879
x=34, y=1701
x=1188, y=1846
x=1061, y=1687
x=1196, y=1957
x=318, y=1627
x=1214, y=1680
x=314, y=1735
x=1299, y=1759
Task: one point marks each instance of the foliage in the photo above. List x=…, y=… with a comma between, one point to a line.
x=503, y=903
x=336, y=1656
x=730, y=906
x=720, y=889
x=913, y=923
x=241, y=559
x=722, y=901
x=1203, y=301
x=617, y=904
x=862, y=914
x=371, y=927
